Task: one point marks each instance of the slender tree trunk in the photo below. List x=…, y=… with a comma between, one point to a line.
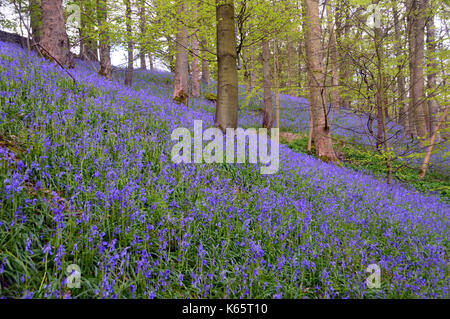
x=402, y=110
x=36, y=20
x=88, y=46
x=180, y=92
x=129, y=73
x=54, y=38
x=333, y=60
x=150, y=60
x=317, y=96
x=227, y=86
x=251, y=70
x=301, y=68
x=276, y=84
x=291, y=66
x=380, y=116
x=268, y=108
x=381, y=97
x=143, y=34
x=206, y=77
x=433, y=106
x=417, y=26
x=195, y=77
x=104, y=41
x=342, y=31
x=195, y=68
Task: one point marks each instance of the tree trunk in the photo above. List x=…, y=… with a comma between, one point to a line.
x=180, y=91
x=251, y=70
x=195, y=68
x=381, y=97
x=195, y=77
x=143, y=34
x=317, y=96
x=342, y=31
x=206, y=77
x=402, y=110
x=268, y=107
x=291, y=66
x=334, y=92
x=227, y=86
x=380, y=116
x=88, y=46
x=54, y=38
x=433, y=106
x=276, y=84
x=417, y=26
x=302, y=72
x=129, y=73
x=36, y=20
x=150, y=60
x=104, y=41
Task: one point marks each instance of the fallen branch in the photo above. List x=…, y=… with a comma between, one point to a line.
x=426, y=161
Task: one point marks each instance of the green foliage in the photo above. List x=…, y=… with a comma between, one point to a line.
x=210, y=96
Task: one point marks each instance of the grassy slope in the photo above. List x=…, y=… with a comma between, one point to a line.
x=90, y=182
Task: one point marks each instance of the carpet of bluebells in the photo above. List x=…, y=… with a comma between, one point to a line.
x=86, y=179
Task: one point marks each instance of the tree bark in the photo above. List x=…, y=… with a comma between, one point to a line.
x=342, y=30
x=334, y=91
x=227, y=86
x=251, y=70
x=104, y=41
x=302, y=73
x=129, y=73
x=276, y=84
x=268, y=107
x=317, y=96
x=416, y=38
x=206, y=77
x=402, y=110
x=88, y=46
x=195, y=77
x=143, y=34
x=180, y=92
x=291, y=66
x=381, y=98
x=36, y=20
x=433, y=106
x=54, y=38
x=150, y=60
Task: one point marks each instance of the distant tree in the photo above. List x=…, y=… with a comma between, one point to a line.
x=321, y=130
x=416, y=16
x=206, y=76
x=36, y=19
x=268, y=105
x=195, y=77
x=143, y=34
x=180, y=91
x=129, y=36
x=104, y=40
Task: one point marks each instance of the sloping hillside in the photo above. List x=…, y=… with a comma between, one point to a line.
x=86, y=179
